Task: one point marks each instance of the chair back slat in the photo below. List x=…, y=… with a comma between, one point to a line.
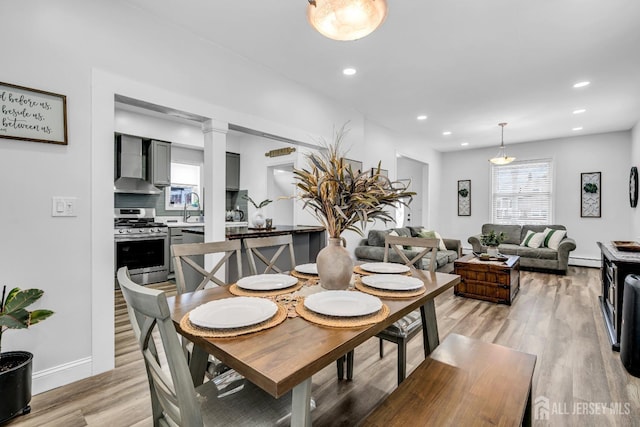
x=426, y=246
x=173, y=397
x=183, y=261
x=255, y=247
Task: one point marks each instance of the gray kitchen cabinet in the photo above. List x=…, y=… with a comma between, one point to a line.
x=177, y=237
x=233, y=171
x=160, y=163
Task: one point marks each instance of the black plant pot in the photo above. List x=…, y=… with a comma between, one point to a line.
x=15, y=384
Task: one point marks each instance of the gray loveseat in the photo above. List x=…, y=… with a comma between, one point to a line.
x=542, y=258
x=371, y=249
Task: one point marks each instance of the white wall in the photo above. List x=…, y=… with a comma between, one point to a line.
x=608, y=153
x=89, y=51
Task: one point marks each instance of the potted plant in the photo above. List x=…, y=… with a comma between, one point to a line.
x=344, y=199
x=15, y=366
x=492, y=240
x=258, y=219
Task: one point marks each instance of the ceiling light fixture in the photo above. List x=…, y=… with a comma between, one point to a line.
x=346, y=19
x=501, y=158
x=422, y=117
x=446, y=133
x=349, y=71
x=577, y=128
x=581, y=84
x=464, y=144
x=579, y=111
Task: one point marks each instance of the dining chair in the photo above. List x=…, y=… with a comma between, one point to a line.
x=174, y=399
x=261, y=247
x=188, y=261
x=401, y=331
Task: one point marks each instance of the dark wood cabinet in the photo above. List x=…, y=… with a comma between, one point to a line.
x=616, y=265
x=488, y=281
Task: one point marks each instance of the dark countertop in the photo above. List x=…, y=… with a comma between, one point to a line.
x=278, y=230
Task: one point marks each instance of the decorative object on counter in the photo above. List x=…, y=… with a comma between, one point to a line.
x=33, y=115
x=258, y=219
x=15, y=366
x=633, y=187
x=590, y=194
x=343, y=199
x=280, y=152
x=492, y=240
x=268, y=223
x=464, y=197
x=237, y=214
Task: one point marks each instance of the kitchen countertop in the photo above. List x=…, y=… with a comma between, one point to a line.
x=184, y=224
x=278, y=230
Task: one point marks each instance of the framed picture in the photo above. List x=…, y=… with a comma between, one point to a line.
x=590, y=194
x=32, y=115
x=464, y=197
x=356, y=166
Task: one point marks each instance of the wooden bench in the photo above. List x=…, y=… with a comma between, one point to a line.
x=463, y=382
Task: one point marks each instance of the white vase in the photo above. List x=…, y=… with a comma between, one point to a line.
x=258, y=219
x=335, y=266
x=492, y=250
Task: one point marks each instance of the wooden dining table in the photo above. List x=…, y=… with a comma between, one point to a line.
x=285, y=357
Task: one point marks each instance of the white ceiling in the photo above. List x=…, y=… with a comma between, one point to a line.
x=467, y=64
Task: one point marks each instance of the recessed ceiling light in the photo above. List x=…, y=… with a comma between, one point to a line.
x=422, y=117
x=579, y=111
x=349, y=71
x=581, y=84
x=577, y=128
x=446, y=132
x=464, y=144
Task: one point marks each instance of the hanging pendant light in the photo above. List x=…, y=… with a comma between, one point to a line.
x=346, y=19
x=501, y=158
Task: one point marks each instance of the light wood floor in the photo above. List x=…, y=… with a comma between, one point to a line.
x=555, y=317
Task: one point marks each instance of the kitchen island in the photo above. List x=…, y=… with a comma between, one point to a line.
x=307, y=242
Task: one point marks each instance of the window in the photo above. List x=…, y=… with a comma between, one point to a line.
x=522, y=193
x=185, y=180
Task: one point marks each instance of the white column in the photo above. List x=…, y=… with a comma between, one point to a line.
x=215, y=147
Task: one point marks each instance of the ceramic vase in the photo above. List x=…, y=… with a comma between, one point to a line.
x=258, y=219
x=335, y=266
x=492, y=250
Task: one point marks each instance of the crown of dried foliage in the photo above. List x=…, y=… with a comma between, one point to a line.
x=344, y=199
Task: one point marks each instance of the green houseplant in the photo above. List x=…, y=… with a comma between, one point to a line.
x=15, y=366
x=492, y=240
x=344, y=199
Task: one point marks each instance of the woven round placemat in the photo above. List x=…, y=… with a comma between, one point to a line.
x=237, y=290
x=341, y=322
x=304, y=276
x=389, y=294
x=276, y=319
x=357, y=269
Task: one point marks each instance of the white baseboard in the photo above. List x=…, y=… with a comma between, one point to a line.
x=60, y=375
x=585, y=262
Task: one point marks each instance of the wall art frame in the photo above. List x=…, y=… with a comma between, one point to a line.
x=464, y=197
x=28, y=114
x=590, y=194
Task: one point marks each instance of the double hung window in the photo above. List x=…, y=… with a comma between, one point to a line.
x=185, y=181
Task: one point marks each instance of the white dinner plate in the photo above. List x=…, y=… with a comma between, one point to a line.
x=392, y=282
x=266, y=282
x=384, y=267
x=311, y=268
x=343, y=303
x=233, y=312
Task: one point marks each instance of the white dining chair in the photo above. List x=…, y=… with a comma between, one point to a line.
x=174, y=399
x=259, y=247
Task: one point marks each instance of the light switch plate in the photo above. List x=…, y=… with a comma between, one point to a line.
x=63, y=206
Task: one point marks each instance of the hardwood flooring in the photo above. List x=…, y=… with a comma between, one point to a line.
x=578, y=379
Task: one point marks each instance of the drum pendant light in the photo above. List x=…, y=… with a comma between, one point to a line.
x=501, y=158
x=346, y=19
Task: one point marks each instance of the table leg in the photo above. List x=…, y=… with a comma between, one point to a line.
x=198, y=365
x=429, y=327
x=300, y=404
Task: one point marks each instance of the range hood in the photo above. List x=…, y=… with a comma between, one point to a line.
x=130, y=171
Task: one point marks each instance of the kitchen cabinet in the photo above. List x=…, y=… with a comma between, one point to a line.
x=177, y=237
x=233, y=171
x=160, y=163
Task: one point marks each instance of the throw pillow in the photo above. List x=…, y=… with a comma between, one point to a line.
x=533, y=240
x=430, y=234
x=553, y=238
x=395, y=234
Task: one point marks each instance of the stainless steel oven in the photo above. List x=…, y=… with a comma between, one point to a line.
x=142, y=245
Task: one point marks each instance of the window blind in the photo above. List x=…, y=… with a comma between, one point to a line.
x=522, y=192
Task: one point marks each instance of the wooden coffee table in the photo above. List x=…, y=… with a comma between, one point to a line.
x=495, y=281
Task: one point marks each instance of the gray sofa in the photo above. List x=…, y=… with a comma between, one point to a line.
x=371, y=249
x=545, y=259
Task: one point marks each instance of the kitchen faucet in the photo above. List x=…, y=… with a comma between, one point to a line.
x=185, y=217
